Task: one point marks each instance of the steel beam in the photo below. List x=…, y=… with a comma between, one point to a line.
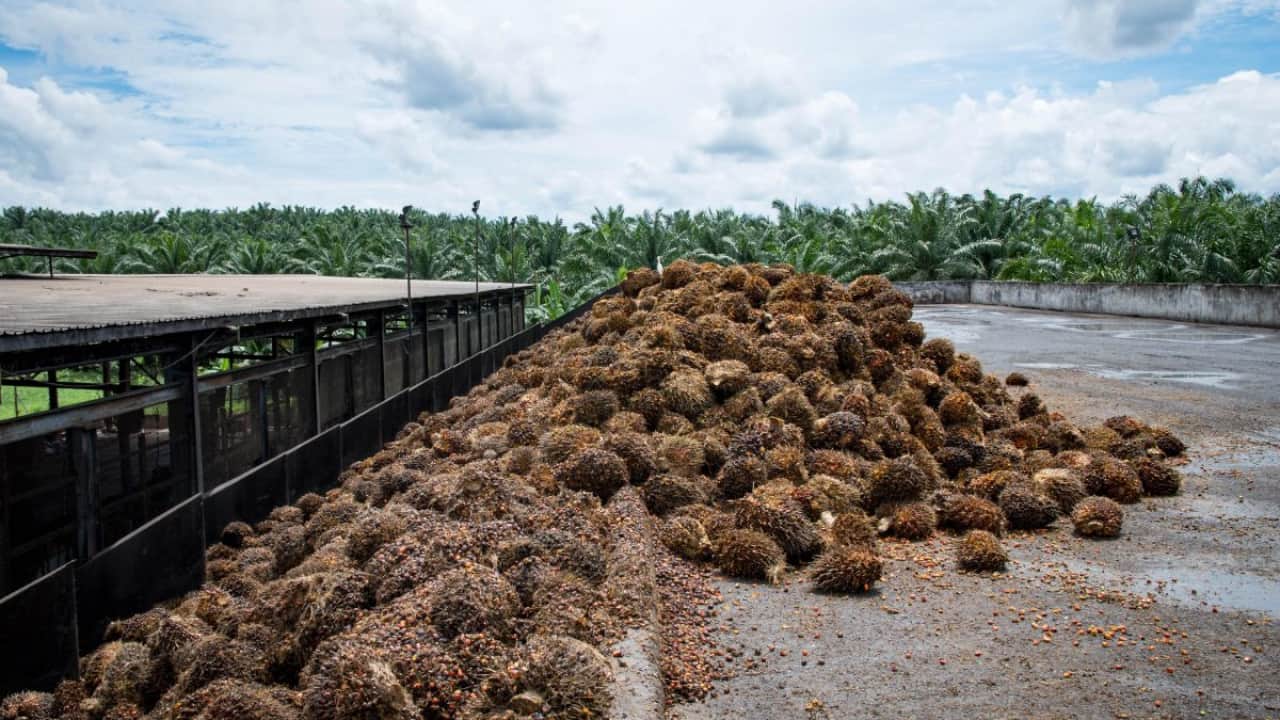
x=30, y=426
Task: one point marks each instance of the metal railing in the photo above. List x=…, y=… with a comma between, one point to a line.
x=46, y=625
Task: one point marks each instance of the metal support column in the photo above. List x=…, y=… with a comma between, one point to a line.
x=377, y=326
x=311, y=347
x=83, y=442
x=455, y=317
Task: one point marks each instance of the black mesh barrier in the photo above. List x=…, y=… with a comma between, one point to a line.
x=395, y=363
x=394, y=415
x=233, y=429
x=366, y=389
x=442, y=346
x=314, y=465
x=490, y=327
x=442, y=390
x=335, y=395
x=361, y=437
x=160, y=560
x=37, y=508
x=420, y=398
x=249, y=497
x=39, y=633
x=288, y=409
x=417, y=360
x=135, y=472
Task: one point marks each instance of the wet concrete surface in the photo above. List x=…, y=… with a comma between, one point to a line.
x=1176, y=618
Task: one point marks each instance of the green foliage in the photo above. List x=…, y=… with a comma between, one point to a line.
x=1199, y=231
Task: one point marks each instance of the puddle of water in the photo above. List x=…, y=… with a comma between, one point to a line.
x=1192, y=586
x=1214, y=586
x=1219, y=379
x=1192, y=337
x=956, y=333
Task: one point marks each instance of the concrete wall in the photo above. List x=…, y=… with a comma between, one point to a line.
x=936, y=292
x=1257, y=305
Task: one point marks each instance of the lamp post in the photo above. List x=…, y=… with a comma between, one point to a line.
x=1135, y=235
x=406, y=226
x=475, y=210
x=511, y=259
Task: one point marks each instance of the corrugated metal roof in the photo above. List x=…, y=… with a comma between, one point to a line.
x=67, y=303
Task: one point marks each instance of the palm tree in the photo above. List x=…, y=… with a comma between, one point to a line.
x=924, y=242
x=166, y=252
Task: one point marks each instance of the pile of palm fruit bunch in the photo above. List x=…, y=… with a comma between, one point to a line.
x=771, y=422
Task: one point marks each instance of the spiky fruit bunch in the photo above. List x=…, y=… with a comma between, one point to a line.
x=791, y=406
x=1016, y=379
x=728, y=377
x=561, y=677
x=748, y=554
x=1098, y=517
x=561, y=443
x=682, y=455
x=664, y=493
x=685, y=536
x=594, y=408
x=635, y=452
x=741, y=474
x=854, y=528
x=348, y=679
x=1029, y=406
x=686, y=392
x=953, y=459
x=961, y=511
x=1063, y=485
x=846, y=569
x=473, y=599
x=236, y=534
x=1116, y=479
x=897, y=480
x=793, y=532
x=958, y=408
x=594, y=470
x=1026, y=508
x=990, y=485
x=839, y=430
x=979, y=550
x=1125, y=426
x=912, y=521
x=1167, y=442
x=638, y=280
x=941, y=351
x=1157, y=478
x=230, y=699
x=825, y=494
x=27, y=706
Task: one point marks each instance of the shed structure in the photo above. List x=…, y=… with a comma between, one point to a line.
x=141, y=413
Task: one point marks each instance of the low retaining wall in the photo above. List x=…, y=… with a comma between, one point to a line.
x=936, y=292
x=1256, y=305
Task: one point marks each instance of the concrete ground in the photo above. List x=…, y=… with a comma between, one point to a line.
x=1177, y=618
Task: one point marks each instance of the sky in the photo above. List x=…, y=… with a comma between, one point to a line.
x=556, y=107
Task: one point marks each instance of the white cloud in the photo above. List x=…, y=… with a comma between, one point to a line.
x=1125, y=27
x=558, y=107
x=442, y=63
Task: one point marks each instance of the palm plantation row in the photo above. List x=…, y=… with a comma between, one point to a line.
x=1198, y=231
